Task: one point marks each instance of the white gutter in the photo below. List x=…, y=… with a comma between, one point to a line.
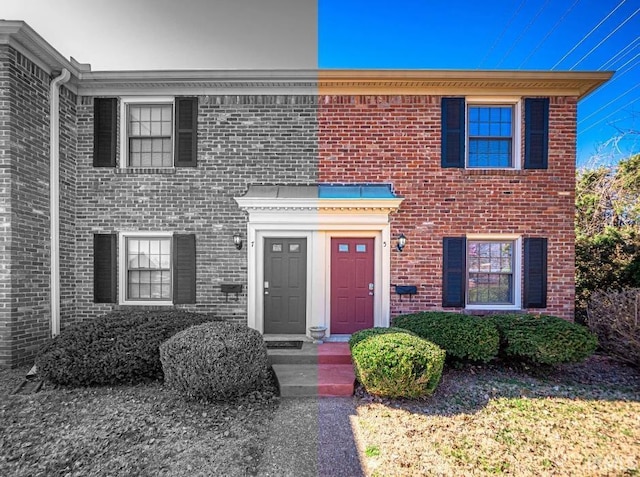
x=54, y=195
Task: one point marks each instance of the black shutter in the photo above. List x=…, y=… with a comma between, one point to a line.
x=535, y=273
x=453, y=135
x=186, y=133
x=105, y=115
x=184, y=268
x=454, y=271
x=536, y=127
x=104, y=268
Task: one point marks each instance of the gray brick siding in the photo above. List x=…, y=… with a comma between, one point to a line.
x=242, y=140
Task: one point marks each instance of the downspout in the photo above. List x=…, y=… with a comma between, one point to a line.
x=54, y=195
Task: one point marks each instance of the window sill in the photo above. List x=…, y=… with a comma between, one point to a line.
x=493, y=172
x=146, y=303
x=145, y=170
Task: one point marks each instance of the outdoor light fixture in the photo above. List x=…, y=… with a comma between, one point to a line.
x=402, y=241
x=237, y=241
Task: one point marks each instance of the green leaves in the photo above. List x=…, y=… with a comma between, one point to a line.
x=464, y=337
x=397, y=364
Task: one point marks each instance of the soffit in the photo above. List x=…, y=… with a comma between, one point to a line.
x=344, y=82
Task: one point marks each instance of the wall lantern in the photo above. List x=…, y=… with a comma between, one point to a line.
x=402, y=241
x=237, y=241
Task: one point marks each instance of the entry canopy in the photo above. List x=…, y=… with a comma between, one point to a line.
x=343, y=197
x=322, y=191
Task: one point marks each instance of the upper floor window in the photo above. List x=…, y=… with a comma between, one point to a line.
x=149, y=131
x=490, y=137
x=155, y=132
x=489, y=133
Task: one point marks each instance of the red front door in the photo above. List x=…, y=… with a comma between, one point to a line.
x=352, y=284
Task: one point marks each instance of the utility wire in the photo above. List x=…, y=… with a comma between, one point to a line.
x=616, y=77
x=605, y=38
x=609, y=115
x=504, y=30
x=612, y=60
x=523, y=32
x=588, y=34
x=549, y=33
x=609, y=103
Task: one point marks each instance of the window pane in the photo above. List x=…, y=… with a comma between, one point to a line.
x=490, y=272
x=149, y=270
x=489, y=136
x=343, y=247
x=154, y=123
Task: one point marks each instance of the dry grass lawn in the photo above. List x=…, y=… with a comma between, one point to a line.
x=579, y=421
x=502, y=422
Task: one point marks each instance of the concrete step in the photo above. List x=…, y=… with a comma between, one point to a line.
x=308, y=380
x=326, y=353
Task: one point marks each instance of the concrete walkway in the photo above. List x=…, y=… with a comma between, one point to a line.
x=312, y=437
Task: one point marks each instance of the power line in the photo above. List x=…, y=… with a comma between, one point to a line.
x=549, y=33
x=523, y=32
x=616, y=77
x=504, y=30
x=608, y=116
x=606, y=38
x=612, y=60
x=588, y=34
x=609, y=103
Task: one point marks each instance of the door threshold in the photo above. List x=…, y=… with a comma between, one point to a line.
x=284, y=337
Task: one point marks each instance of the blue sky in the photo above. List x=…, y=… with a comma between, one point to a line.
x=508, y=34
x=415, y=34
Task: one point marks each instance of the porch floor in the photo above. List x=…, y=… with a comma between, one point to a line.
x=315, y=370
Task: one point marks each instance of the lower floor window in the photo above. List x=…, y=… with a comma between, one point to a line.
x=490, y=272
x=148, y=268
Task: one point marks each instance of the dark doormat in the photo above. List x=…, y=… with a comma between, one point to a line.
x=284, y=344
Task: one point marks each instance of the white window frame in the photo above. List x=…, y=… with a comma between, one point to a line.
x=517, y=271
x=516, y=140
x=122, y=258
x=124, y=127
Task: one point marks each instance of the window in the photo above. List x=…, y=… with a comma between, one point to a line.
x=149, y=129
x=494, y=133
x=148, y=268
x=490, y=272
x=145, y=268
x=487, y=272
x=157, y=132
x=490, y=136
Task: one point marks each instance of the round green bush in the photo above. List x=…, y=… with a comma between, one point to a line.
x=544, y=339
x=215, y=361
x=364, y=334
x=116, y=348
x=463, y=337
x=398, y=365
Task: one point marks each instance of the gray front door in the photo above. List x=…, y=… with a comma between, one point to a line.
x=285, y=285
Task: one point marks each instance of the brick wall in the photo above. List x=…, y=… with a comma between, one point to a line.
x=241, y=140
x=396, y=139
x=25, y=318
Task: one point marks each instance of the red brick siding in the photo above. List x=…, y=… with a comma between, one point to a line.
x=396, y=139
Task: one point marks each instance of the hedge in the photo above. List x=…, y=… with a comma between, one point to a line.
x=119, y=347
x=463, y=337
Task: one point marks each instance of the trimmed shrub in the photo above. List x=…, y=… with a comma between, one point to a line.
x=463, y=337
x=614, y=316
x=544, y=339
x=215, y=361
x=358, y=336
x=398, y=365
x=120, y=347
